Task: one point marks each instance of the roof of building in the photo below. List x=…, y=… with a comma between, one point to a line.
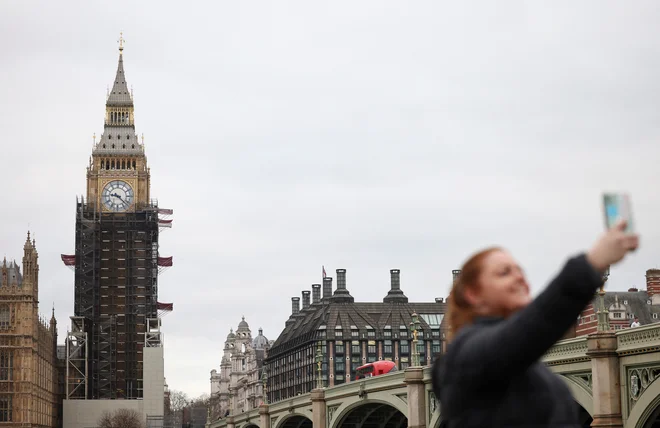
x=260, y=342
x=351, y=316
x=120, y=94
x=637, y=303
x=231, y=336
x=243, y=325
x=14, y=275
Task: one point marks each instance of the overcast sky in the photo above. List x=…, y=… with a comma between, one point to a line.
x=365, y=135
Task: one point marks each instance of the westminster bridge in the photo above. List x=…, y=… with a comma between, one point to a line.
x=612, y=376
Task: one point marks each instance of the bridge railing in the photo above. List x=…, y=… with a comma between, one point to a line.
x=384, y=381
x=636, y=339
x=569, y=349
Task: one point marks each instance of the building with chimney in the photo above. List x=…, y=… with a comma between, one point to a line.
x=238, y=387
x=622, y=307
x=114, y=352
x=348, y=334
x=28, y=348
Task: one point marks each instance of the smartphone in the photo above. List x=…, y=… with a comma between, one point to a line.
x=617, y=207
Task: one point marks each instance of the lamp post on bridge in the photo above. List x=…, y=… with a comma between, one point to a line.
x=319, y=365
x=603, y=314
x=264, y=381
x=414, y=329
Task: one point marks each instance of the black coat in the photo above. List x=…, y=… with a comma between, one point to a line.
x=491, y=375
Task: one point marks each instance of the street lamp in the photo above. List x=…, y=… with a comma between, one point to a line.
x=603, y=314
x=264, y=381
x=414, y=330
x=319, y=364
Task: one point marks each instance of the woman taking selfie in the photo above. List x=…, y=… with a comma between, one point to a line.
x=491, y=375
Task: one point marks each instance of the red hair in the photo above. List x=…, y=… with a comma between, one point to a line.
x=459, y=311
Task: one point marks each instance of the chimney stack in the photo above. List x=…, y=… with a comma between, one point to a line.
x=653, y=281
x=395, y=295
x=341, y=294
x=455, y=274
x=316, y=293
x=341, y=279
x=295, y=305
x=327, y=288
x=305, y=295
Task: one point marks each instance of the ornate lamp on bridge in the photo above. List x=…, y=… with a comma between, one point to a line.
x=414, y=328
x=319, y=365
x=603, y=314
x=264, y=382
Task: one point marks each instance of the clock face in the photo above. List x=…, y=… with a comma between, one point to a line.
x=117, y=196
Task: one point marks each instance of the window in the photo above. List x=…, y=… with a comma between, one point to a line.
x=435, y=347
x=371, y=332
x=387, y=333
x=371, y=349
x=5, y=408
x=435, y=333
x=403, y=333
x=6, y=365
x=339, y=348
x=355, y=333
x=387, y=347
x=403, y=347
x=655, y=316
x=355, y=348
x=340, y=366
x=625, y=302
x=339, y=332
x=4, y=317
x=616, y=315
x=433, y=320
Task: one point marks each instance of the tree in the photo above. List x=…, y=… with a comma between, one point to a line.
x=179, y=400
x=122, y=418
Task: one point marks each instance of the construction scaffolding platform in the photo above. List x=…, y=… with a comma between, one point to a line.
x=116, y=295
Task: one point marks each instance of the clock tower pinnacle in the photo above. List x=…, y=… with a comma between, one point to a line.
x=118, y=178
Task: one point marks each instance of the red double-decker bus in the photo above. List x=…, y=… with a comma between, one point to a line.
x=375, y=369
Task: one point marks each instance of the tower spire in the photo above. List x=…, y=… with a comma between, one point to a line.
x=121, y=42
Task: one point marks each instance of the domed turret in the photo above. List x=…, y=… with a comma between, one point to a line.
x=243, y=325
x=260, y=342
x=231, y=336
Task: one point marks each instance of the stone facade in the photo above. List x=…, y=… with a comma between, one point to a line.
x=28, y=348
x=238, y=386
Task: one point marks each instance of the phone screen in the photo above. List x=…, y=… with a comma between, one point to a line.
x=617, y=207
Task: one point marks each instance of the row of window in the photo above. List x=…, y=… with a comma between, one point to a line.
x=108, y=164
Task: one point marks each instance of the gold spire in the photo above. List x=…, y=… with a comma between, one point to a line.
x=121, y=42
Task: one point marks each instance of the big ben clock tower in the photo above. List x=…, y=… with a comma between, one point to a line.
x=116, y=265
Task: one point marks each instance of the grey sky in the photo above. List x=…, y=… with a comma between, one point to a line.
x=363, y=135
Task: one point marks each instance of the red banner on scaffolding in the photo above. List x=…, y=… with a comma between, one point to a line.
x=165, y=211
x=69, y=260
x=162, y=221
x=165, y=306
x=165, y=261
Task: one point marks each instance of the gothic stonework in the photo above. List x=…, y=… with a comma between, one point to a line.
x=28, y=346
x=639, y=380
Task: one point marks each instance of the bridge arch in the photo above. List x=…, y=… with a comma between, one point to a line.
x=372, y=413
x=581, y=395
x=294, y=420
x=646, y=413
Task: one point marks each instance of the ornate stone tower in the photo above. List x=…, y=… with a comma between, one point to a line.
x=28, y=376
x=116, y=261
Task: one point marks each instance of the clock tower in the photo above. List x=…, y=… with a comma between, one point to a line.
x=113, y=347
